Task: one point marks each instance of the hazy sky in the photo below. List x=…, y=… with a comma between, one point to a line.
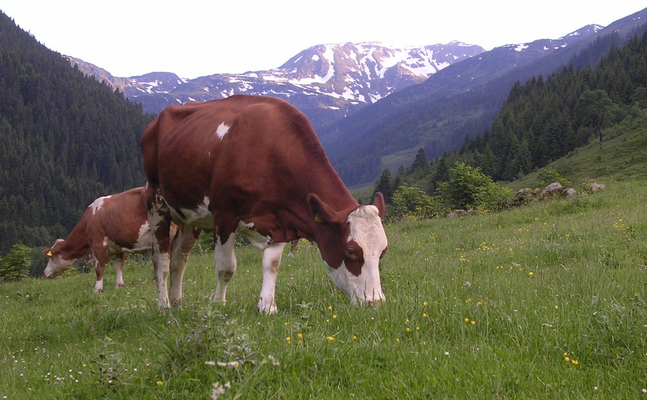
x=196, y=38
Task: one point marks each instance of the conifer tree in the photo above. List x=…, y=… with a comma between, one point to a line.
x=385, y=185
x=420, y=162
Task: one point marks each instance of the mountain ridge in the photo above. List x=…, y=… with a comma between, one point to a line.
x=437, y=116
x=327, y=81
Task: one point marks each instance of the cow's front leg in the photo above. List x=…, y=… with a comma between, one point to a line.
x=99, y=269
x=181, y=249
x=119, y=269
x=159, y=220
x=225, y=265
x=271, y=262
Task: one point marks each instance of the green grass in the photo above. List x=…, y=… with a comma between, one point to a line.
x=551, y=281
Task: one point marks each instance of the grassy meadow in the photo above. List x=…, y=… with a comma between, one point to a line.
x=545, y=301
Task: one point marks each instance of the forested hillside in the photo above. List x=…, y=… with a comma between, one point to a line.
x=439, y=113
x=545, y=119
x=66, y=139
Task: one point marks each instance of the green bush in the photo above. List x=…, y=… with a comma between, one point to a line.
x=15, y=266
x=411, y=201
x=470, y=188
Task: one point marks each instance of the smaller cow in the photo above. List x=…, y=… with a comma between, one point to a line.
x=111, y=226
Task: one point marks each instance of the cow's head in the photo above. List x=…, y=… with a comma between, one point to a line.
x=352, y=245
x=57, y=264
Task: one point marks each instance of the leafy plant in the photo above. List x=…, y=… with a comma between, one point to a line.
x=412, y=201
x=470, y=188
x=15, y=266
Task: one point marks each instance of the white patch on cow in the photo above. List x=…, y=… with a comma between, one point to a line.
x=367, y=231
x=119, y=268
x=98, y=287
x=109, y=247
x=225, y=266
x=57, y=264
x=222, y=130
x=199, y=217
x=144, y=239
x=271, y=261
x=98, y=204
x=256, y=239
x=161, y=264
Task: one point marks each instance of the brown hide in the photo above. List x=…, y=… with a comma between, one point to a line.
x=261, y=171
x=118, y=219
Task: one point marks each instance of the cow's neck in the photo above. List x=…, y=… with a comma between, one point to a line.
x=76, y=244
x=332, y=191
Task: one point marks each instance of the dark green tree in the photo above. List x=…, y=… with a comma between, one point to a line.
x=592, y=109
x=385, y=185
x=420, y=162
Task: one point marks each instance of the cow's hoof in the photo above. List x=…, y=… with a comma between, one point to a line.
x=176, y=303
x=267, y=308
x=163, y=304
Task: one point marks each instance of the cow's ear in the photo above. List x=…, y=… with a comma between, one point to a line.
x=320, y=210
x=380, y=204
x=48, y=252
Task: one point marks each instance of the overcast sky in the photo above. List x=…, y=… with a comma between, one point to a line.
x=197, y=38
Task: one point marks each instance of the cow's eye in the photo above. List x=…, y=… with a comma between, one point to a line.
x=350, y=253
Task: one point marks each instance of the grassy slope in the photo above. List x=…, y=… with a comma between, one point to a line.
x=554, y=280
x=623, y=156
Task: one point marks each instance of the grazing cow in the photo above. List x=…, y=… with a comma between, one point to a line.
x=110, y=227
x=255, y=165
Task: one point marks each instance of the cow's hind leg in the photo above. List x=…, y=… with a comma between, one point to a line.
x=225, y=265
x=159, y=220
x=119, y=262
x=271, y=262
x=181, y=249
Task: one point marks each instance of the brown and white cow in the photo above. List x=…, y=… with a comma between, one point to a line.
x=255, y=165
x=111, y=226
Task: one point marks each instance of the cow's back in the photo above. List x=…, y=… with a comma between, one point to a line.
x=242, y=147
x=122, y=220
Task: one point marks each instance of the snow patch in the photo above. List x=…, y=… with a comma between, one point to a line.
x=521, y=48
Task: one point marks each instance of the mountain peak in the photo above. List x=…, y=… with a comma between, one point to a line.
x=325, y=81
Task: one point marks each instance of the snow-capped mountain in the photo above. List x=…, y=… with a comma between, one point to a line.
x=326, y=82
